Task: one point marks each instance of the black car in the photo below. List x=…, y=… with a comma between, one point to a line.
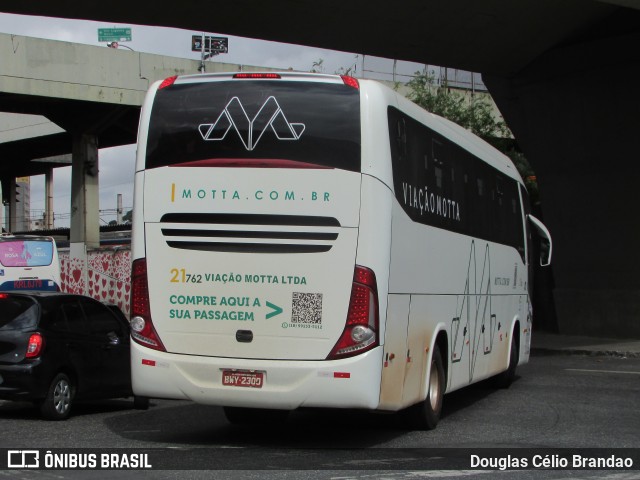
x=56, y=348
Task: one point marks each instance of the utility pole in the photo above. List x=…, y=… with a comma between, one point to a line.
x=202, y=67
x=208, y=47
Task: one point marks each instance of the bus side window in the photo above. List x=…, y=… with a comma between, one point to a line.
x=438, y=162
x=401, y=138
x=499, y=190
x=438, y=174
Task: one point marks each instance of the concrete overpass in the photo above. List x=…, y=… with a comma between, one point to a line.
x=562, y=74
x=83, y=98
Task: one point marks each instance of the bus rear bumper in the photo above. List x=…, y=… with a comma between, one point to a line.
x=346, y=383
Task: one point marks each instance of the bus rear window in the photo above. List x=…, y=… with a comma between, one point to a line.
x=314, y=123
x=26, y=253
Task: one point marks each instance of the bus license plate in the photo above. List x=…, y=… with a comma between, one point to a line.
x=27, y=284
x=236, y=378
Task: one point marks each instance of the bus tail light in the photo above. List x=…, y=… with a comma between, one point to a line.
x=142, y=330
x=167, y=82
x=34, y=347
x=350, y=81
x=361, y=332
x=257, y=76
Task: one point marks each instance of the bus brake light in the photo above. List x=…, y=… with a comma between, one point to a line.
x=257, y=76
x=361, y=330
x=167, y=82
x=142, y=330
x=350, y=81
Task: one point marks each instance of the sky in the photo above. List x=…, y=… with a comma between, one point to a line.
x=117, y=164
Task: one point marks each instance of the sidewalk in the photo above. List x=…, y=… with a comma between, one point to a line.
x=576, y=345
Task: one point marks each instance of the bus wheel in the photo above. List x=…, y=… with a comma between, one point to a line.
x=254, y=416
x=425, y=415
x=57, y=403
x=140, y=403
x=504, y=379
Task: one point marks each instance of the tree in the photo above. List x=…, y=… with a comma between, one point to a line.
x=128, y=217
x=474, y=113
x=317, y=66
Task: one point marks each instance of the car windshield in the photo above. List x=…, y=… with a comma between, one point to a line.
x=17, y=313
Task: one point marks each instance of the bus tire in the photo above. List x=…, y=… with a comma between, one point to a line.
x=426, y=414
x=140, y=403
x=254, y=416
x=504, y=379
x=57, y=403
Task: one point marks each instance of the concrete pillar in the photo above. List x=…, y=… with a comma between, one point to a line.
x=575, y=115
x=85, y=215
x=48, y=205
x=119, y=209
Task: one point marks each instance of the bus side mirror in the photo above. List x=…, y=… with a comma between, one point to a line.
x=546, y=245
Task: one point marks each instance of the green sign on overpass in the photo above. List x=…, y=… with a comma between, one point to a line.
x=114, y=34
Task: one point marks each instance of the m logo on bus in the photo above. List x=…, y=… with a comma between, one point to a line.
x=250, y=131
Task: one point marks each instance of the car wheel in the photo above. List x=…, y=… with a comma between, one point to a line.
x=426, y=414
x=255, y=416
x=57, y=403
x=140, y=403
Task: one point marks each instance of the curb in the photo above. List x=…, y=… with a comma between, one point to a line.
x=584, y=352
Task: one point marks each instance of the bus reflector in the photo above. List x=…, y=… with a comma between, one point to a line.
x=360, y=333
x=350, y=81
x=270, y=76
x=167, y=82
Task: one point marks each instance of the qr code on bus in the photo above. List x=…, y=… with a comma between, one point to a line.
x=307, y=308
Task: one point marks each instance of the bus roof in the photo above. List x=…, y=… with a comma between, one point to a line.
x=454, y=132
x=6, y=237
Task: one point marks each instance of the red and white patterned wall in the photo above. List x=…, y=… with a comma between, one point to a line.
x=108, y=276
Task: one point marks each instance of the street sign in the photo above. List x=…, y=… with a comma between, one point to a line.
x=114, y=34
x=211, y=44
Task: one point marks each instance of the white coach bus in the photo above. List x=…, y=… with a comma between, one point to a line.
x=310, y=240
x=29, y=262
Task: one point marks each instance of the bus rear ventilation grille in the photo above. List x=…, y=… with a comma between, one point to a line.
x=246, y=233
